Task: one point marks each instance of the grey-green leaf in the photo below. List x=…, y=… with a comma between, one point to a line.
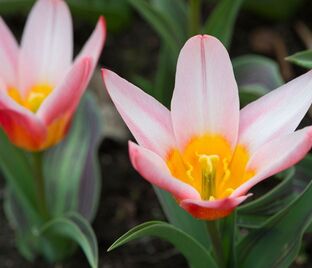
x=254, y=70
x=71, y=168
x=76, y=228
x=181, y=219
x=255, y=213
x=279, y=239
x=303, y=59
x=196, y=255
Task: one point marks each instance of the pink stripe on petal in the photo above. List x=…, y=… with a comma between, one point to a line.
x=8, y=55
x=205, y=98
x=65, y=98
x=153, y=169
x=148, y=120
x=276, y=156
x=277, y=113
x=47, y=44
x=212, y=210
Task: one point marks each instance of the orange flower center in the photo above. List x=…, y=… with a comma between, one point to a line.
x=34, y=98
x=209, y=165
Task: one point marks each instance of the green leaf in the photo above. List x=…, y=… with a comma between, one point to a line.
x=72, y=170
x=303, y=59
x=181, y=219
x=255, y=213
x=160, y=22
x=302, y=178
x=193, y=251
x=279, y=239
x=176, y=14
x=76, y=228
x=228, y=230
x=220, y=22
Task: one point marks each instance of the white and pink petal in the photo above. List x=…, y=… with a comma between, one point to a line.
x=23, y=128
x=153, y=168
x=205, y=98
x=148, y=120
x=65, y=98
x=47, y=44
x=8, y=55
x=212, y=210
x=94, y=45
x=275, y=114
x=276, y=156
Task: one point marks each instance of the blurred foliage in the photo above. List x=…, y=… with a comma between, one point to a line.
x=220, y=23
x=117, y=13
x=274, y=9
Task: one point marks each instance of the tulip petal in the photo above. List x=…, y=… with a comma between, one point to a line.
x=8, y=55
x=64, y=99
x=153, y=169
x=205, y=98
x=277, y=113
x=47, y=44
x=23, y=128
x=95, y=43
x=148, y=120
x=212, y=210
x=276, y=156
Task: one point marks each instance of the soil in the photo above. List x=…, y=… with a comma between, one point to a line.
x=126, y=199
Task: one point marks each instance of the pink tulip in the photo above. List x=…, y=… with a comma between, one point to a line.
x=205, y=151
x=40, y=86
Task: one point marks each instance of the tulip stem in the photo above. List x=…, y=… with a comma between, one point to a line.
x=213, y=230
x=40, y=184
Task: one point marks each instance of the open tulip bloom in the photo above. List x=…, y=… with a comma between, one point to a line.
x=40, y=86
x=205, y=151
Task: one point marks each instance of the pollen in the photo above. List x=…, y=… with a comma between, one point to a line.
x=36, y=95
x=211, y=166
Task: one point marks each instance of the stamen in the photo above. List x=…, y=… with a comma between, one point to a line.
x=208, y=167
x=228, y=191
x=226, y=174
x=36, y=96
x=189, y=171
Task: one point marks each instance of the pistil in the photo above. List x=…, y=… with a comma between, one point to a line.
x=208, y=165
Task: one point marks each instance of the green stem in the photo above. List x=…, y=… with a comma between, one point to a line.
x=40, y=184
x=194, y=17
x=213, y=230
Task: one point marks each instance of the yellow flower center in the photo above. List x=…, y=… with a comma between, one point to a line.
x=35, y=97
x=209, y=165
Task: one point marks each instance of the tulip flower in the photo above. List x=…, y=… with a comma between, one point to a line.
x=40, y=86
x=205, y=151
